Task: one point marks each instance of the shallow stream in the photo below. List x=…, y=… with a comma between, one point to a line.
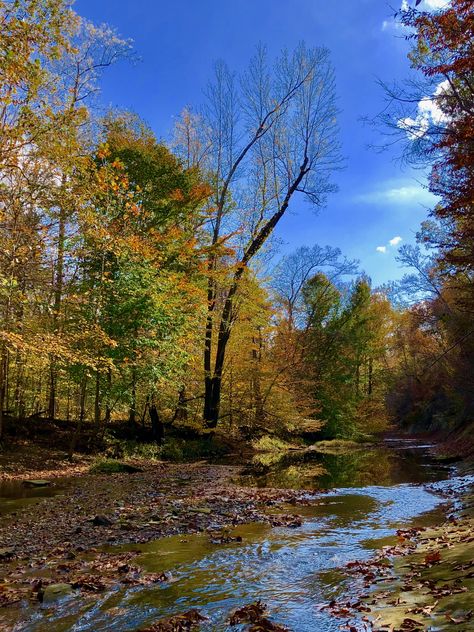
x=370, y=494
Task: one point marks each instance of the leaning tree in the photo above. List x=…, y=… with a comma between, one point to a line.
x=266, y=137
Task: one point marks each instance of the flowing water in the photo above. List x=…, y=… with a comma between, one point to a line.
x=370, y=494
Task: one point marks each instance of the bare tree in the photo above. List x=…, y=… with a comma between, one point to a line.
x=294, y=270
x=272, y=136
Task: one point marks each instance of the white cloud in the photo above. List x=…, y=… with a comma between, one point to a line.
x=428, y=113
x=388, y=25
x=382, y=249
x=395, y=241
x=436, y=4
x=397, y=195
x=428, y=5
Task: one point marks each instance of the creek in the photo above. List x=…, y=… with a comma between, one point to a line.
x=369, y=494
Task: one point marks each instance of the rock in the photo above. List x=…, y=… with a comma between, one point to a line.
x=53, y=592
x=127, y=526
x=38, y=482
x=101, y=521
x=7, y=553
x=131, y=469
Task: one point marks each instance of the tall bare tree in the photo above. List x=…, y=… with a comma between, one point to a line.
x=272, y=136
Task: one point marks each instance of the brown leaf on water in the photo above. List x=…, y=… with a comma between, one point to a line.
x=292, y=521
x=461, y=618
x=433, y=558
x=265, y=625
x=178, y=623
x=89, y=583
x=254, y=614
x=251, y=613
x=410, y=625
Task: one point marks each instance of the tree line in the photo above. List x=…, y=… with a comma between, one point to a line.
x=138, y=278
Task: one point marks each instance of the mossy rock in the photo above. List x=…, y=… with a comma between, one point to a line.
x=53, y=592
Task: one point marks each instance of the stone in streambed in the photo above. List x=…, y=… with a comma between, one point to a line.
x=53, y=592
x=7, y=553
x=101, y=521
x=36, y=482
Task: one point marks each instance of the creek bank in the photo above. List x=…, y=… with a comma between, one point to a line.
x=165, y=499
x=424, y=581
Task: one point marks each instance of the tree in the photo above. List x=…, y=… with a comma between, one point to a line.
x=92, y=50
x=433, y=115
x=345, y=350
x=271, y=137
x=32, y=34
x=140, y=263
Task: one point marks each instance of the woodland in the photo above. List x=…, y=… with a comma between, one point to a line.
x=138, y=278
x=139, y=281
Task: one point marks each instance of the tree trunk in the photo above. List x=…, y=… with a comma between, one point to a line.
x=208, y=352
x=3, y=387
x=257, y=357
x=370, y=380
x=58, y=294
x=213, y=400
x=52, y=390
x=108, y=409
x=82, y=409
x=181, y=412
x=212, y=385
x=157, y=427
x=97, y=407
x=132, y=416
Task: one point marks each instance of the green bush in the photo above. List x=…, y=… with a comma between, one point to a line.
x=137, y=450
x=190, y=449
x=273, y=444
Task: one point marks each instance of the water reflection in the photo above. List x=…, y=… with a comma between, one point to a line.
x=366, y=466
x=15, y=495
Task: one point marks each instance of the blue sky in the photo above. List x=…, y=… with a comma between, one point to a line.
x=178, y=43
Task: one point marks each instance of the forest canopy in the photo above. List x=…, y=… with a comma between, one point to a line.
x=140, y=286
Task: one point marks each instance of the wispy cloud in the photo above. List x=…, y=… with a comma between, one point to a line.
x=395, y=241
x=399, y=195
x=394, y=24
x=428, y=113
x=382, y=249
x=436, y=4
